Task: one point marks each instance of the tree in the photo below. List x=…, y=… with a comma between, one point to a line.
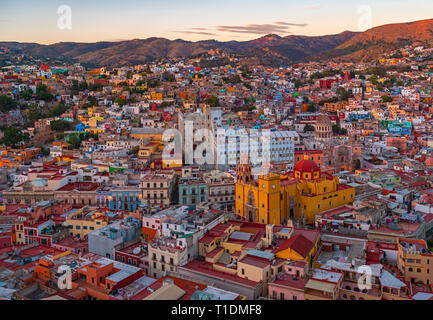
x=75, y=87
x=308, y=128
x=344, y=94
x=7, y=103
x=13, y=137
x=430, y=244
x=83, y=86
x=92, y=100
x=74, y=139
x=338, y=130
x=134, y=150
x=357, y=164
x=153, y=83
x=298, y=83
x=378, y=71
x=121, y=101
x=26, y=94
x=57, y=111
x=46, y=151
x=213, y=101
x=60, y=125
x=386, y=99
x=34, y=113
x=311, y=108
x=43, y=94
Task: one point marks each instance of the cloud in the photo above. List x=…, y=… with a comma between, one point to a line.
x=291, y=24
x=276, y=27
x=195, y=32
x=279, y=27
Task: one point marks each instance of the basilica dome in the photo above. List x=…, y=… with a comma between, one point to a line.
x=307, y=169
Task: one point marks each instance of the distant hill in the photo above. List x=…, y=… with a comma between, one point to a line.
x=270, y=49
x=370, y=44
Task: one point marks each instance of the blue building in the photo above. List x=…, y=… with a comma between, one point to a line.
x=125, y=198
x=81, y=127
x=192, y=191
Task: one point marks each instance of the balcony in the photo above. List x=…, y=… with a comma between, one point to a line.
x=351, y=291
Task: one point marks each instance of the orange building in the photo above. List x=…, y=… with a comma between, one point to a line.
x=415, y=261
x=101, y=277
x=315, y=155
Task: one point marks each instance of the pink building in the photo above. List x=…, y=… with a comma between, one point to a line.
x=72, y=245
x=290, y=284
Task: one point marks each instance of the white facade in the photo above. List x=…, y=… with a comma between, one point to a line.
x=280, y=148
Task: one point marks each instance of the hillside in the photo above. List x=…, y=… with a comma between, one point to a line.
x=368, y=45
x=270, y=49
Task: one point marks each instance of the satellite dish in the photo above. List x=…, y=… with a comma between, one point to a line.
x=136, y=250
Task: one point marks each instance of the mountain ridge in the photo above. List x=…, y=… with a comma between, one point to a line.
x=270, y=49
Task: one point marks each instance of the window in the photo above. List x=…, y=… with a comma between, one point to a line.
x=243, y=271
x=281, y=295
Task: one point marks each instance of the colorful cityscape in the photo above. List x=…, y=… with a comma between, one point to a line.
x=276, y=168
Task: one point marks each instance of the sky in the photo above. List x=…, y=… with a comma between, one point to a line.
x=223, y=20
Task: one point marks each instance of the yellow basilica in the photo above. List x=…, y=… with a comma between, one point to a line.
x=301, y=194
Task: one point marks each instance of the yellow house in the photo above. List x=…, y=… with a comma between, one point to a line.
x=298, y=247
x=154, y=136
x=95, y=130
x=300, y=194
x=90, y=111
x=156, y=96
x=149, y=149
x=81, y=223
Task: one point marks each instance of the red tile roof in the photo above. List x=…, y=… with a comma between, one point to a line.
x=299, y=244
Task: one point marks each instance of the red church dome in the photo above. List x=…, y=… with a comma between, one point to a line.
x=307, y=166
x=429, y=162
